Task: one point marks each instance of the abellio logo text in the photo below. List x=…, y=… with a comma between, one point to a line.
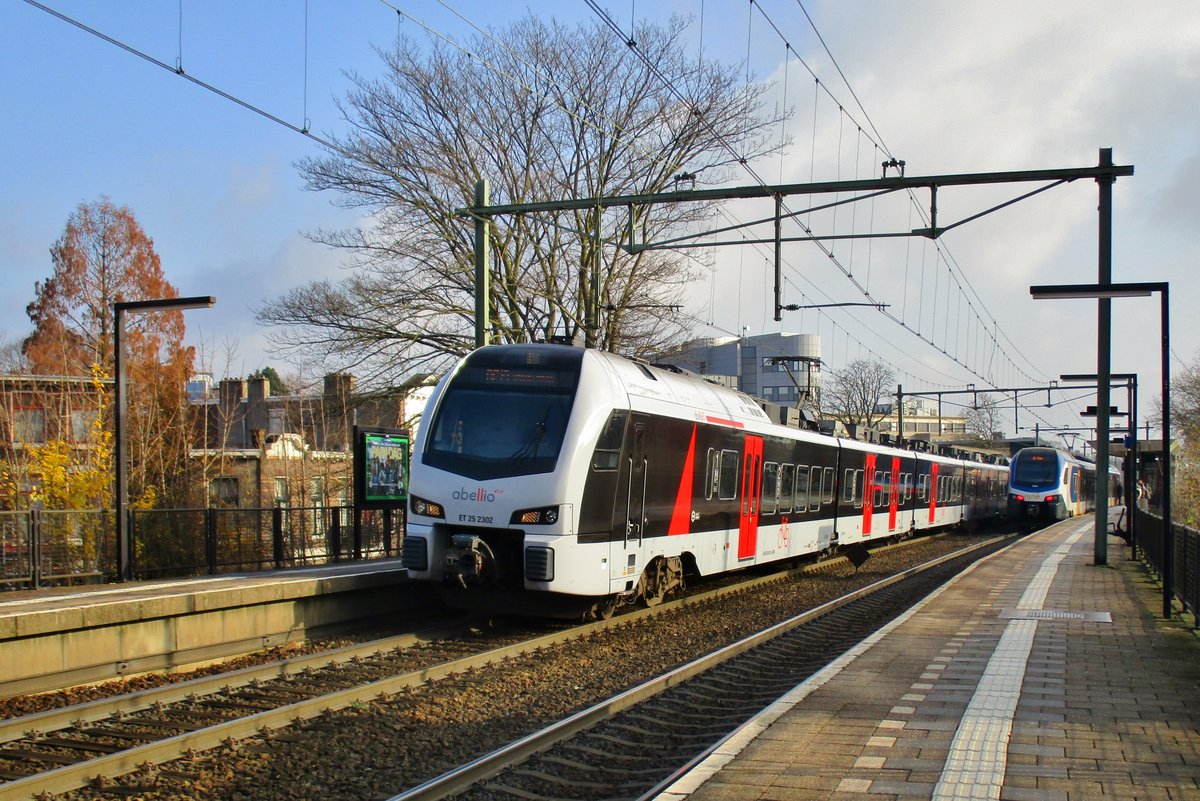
x=477, y=495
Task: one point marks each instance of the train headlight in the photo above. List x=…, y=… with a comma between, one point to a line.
x=425, y=508
x=544, y=516
x=1051, y=498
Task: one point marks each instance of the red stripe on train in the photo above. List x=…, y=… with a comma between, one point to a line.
x=681, y=516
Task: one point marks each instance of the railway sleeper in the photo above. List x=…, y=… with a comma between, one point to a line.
x=50, y=757
x=560, y=781
x=119, y=734
x=611, y=769
x=90, y=746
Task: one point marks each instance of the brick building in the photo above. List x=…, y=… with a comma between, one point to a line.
x=39, y=409
x=256, y=450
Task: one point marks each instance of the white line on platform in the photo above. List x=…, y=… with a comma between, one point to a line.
x=978, y=755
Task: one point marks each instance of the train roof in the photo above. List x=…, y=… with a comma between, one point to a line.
x=678, y=390
x=682, y=389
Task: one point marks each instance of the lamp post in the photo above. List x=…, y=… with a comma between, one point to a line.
x=1127, y=290
x=1131, y=388
x=121, y=455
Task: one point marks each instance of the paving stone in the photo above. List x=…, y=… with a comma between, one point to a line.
x=1098, y=710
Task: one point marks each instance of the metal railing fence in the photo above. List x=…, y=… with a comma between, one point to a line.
x=42, y=548
x=1186, y=552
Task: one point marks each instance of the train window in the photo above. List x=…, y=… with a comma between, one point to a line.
x=728, y=479
x=922, y=481
x=607, y=456
x=508, y=434
x=878, y=501
x=858, y=488
x=826, y=484
x=848, y=487
x=887, y=487
x=770, y=488
x=802, y=488
x=787, y=486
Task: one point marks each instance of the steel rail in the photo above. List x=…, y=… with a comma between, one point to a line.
x=54, y=719
x=74, y=776
x=489, y=765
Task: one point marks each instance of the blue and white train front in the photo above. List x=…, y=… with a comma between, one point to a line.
x=1042, y=484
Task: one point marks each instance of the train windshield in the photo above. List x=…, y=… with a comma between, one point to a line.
x=505, y=413
x=1035, y=468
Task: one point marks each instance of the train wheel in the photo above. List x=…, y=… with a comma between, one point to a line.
x=603, y=609
x=660, y=578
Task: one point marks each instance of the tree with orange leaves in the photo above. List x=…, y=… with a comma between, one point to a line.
x=104, y=257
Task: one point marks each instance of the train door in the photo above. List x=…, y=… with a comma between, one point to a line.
x=892, y=483
x=868, y=497
x=623, y=556
x=935, y=487
x=748, y=498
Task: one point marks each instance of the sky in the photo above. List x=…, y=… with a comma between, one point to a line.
x=948, y=87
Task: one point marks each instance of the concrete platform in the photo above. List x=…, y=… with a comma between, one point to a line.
x=1037, y=675
x=58, y=637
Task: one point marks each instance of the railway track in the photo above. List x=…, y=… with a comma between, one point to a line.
x=68, y=749
x=63, y=749
x=637, y=744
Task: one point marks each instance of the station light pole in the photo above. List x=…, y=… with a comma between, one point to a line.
x=121, y=452
x=1131, y=444
x=1105, y=292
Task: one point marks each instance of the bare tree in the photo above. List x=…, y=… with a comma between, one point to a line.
x=1185, y=402
x=543, y=112
x=12, y=358
x=856, y=394
x=985, y=419
x=1185, y=425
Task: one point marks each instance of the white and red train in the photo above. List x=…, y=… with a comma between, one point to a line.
x=560, y=480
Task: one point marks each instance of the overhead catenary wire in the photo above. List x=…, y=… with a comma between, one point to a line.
x=592, y=121
x=615, y=27
x=878, y=140
x=630, y=41
x=178, y=70
x=303, y=129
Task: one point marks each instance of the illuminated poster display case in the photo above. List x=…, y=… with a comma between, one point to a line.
x=381, y=467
